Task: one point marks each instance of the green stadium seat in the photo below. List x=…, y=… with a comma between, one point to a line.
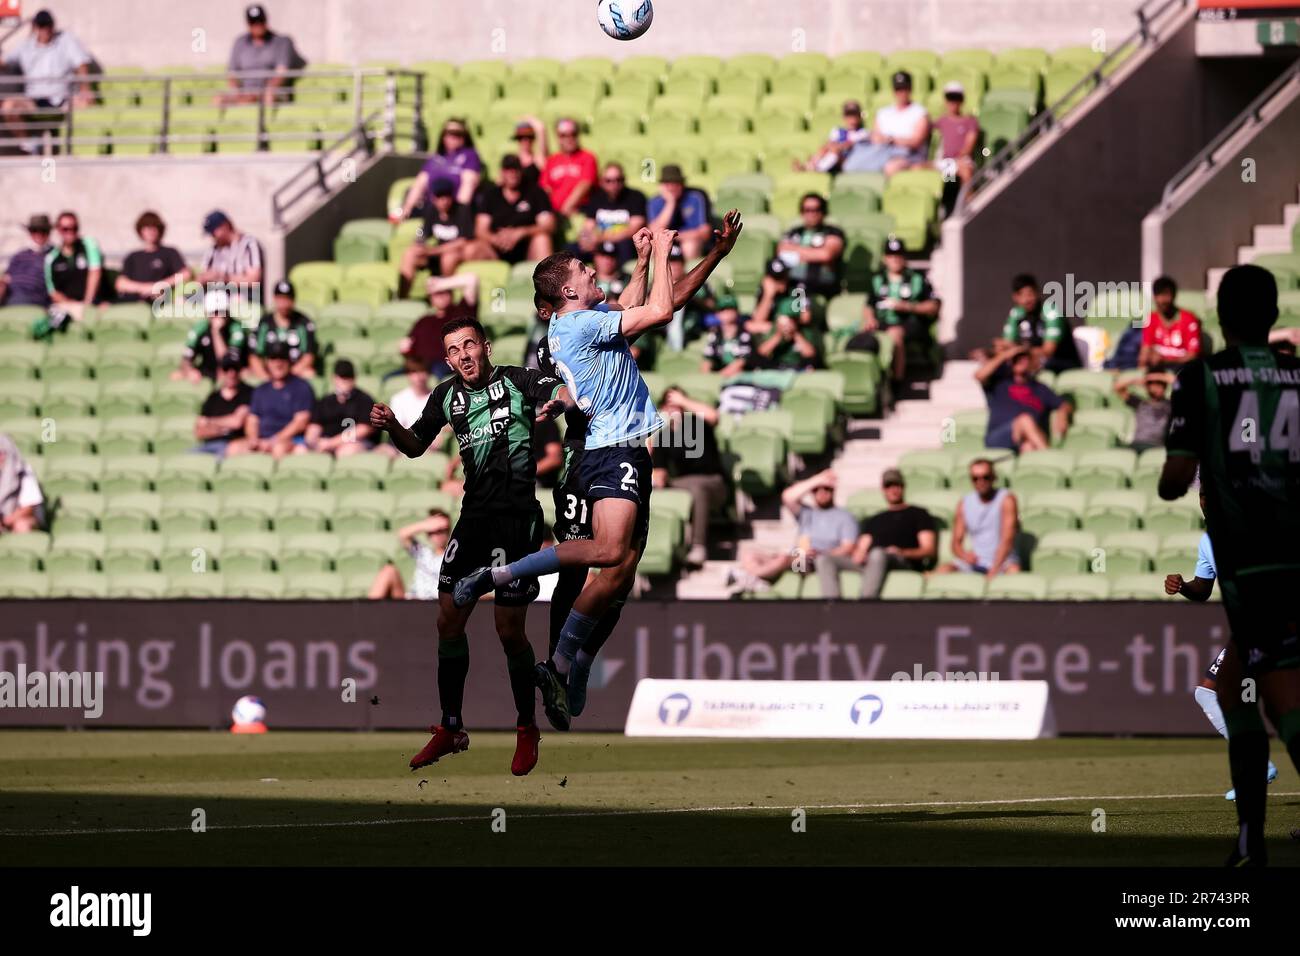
x=142, y=584
x=24, y=584
x=133, y=513
x=926, y=470
x=1103, y=470
x=75, y=584
x=1024, y=586
x=1177, y=552
x=261, y=586
x=129, y=474
x=1114, y=511
x=862, y=378
x=759, y=461
x=1064, y=552
x=21, y=553
x=71, y=474
x=74, y=553
x=1129, y=552
x=1139, y=587
x=1044, y=470
x=956, y=587
x=1044, y=511
x=1171, y=517
x=1078, y=587
x=903, y=586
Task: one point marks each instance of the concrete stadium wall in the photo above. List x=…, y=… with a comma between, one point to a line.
x=145, y=33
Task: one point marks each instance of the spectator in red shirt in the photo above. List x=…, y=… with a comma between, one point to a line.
x=1172, y=336
x=569, y=174
x=424, y=342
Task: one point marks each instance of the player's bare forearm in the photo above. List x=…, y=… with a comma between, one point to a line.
x=1197, y=589
x=404, y=440
x=1177, y=476
x=635, y=292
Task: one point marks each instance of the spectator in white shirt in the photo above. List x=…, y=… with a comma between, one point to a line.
x=900, y=137
x=45, y=58
x=428, y=560
x=21, y=502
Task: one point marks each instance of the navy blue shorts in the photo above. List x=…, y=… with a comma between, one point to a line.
x=619, y=472
x=572, y=509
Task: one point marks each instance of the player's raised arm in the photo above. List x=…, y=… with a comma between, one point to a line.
x=404, y=439
x=659, y=310
x=635, y=291
x=724, y=240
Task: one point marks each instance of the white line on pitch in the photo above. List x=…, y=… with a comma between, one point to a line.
x=583, y=814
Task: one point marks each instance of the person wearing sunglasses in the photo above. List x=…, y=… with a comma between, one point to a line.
x=613, y=213
x=988, y=518
x=814, y=249
x=530, y=147
x=455, y=159
x=436, y=531
x=570, y=173
x=73, y=269
x=23, y=283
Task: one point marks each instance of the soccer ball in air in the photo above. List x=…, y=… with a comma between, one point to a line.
x=625, y=19
x=248, y=710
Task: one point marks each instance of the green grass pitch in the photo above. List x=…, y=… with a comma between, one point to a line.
x=128, y=798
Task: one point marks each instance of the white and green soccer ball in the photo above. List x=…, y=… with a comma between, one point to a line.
x=625, y=19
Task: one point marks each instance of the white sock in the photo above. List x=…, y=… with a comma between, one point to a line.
x=1209, y=702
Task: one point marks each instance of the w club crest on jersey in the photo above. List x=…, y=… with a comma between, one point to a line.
x=495, y=391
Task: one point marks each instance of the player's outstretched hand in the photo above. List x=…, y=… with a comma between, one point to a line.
x=725, y=238
x=381, y=416
x=663, y=240
x=1173, y=584
x=641, y=242
x=552, y=409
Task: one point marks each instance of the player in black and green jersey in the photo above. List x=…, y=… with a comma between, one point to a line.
x=491, y=409
x=1236, y=417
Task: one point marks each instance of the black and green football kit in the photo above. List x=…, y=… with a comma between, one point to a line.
x=572, y=508
x=500, y=518
x=1238, y=413
x=1044, y=324
x=299, y=336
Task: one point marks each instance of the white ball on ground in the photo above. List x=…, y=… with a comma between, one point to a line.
x=248, y=710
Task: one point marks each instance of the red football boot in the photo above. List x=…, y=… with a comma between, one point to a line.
x=525, y=750
x=443, y=742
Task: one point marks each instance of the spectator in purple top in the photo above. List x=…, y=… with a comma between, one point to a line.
x=959, y=134
x=456, y=159
x=24, y=282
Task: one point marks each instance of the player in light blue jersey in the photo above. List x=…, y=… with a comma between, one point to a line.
x=591, y=354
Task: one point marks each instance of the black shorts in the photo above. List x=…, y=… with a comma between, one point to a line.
x=480, y=541
x=1265, y=618
x=623, y=472
x=572, y=509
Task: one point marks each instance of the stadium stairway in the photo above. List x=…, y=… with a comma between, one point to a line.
x=1278, y=244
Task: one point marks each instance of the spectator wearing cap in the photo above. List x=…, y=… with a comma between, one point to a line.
x=279, y=411
x=530, y=147
x=1150, y=412
x=455, y=159
x=22, y=503
x=24, y=280
x=791, y=346
x=570, y=173
x=690, y=460
x=774, y=288
x=445, y=241
x=154, y=270
x=900, y=135
x=260, y=50
x=424, y=342
x=613, y=213
x=340, y=422
x=899, y=301
x=285, y=325
x=225, y=412
x=729, y=349
x=958, y=135
x=74, y=269
x=902, y=537
x=45, y=58
x=1039, y=324
x=814, y=249
x=839, y=143
x=516, y=222
x=683, y=209
x=211, y=340
x=984, y=527
x=235, y=259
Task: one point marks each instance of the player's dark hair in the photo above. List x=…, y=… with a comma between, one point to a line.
x=1248, y=303
x=465, y=322
x=821, y=201
x=1164, y=284
x=1023, y=279
x=550, y=276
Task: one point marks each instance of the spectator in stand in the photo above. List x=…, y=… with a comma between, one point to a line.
x=1019, y=404
x=684, y=209
x=530, y=147
x=686, y=456
x=1172, y=336
x=989, y=517
x=730, y=347
x=824, y=530
x=428, y=560
x=902, y=537
x=225, y=412
x=74, y=270
x=1150, y=414
x=45, y=58
x=260, y=50
x=613, y=213
x=235, y=259
x=410, y=401
x=514, y=221
x=814, y=249
x=340, y=422
x=153, y=271
x=839, y=143
x=211, y=340
x=285, y=325
x=604, y=259
x=899, y=301
x=24, y=281
x=445, y=240
x=570, y=174
x=775, y=287
x=424, y=342
x=548, y=452
x=22, y=504
x=1040, y=325
x=958, y=135
x=791, y=346
x=279, y=411
x=900, y=137
x=455, y=159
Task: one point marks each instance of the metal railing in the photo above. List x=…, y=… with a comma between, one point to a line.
x=1048, y=118
x=315, y=177
x=162, y=111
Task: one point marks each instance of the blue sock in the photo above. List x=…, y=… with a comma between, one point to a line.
x=532, y=565
x=576, y=630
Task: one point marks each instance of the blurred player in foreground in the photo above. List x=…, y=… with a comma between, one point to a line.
x=1236, y=416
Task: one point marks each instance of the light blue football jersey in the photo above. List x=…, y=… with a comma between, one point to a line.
x=593, y=358
x=1205, y=560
